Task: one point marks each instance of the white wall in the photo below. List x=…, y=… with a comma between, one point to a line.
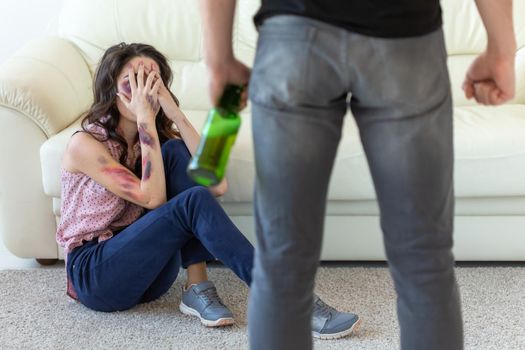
x=24, y=20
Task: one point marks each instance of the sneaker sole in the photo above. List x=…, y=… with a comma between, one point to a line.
x=221, y=322
x=342, y=334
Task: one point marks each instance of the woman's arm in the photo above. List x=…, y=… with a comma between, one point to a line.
x=87, y=155
x=145, y=106
x=189, y=135
x=153, y=179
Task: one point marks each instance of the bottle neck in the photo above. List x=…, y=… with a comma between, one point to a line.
x=231, y=98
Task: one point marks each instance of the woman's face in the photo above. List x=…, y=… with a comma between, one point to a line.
x=123, y=86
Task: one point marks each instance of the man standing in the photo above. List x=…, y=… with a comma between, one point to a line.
x=385, y=60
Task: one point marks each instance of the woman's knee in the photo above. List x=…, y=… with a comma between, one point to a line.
x=198, y=192
x=175, y=147
x=192, y=197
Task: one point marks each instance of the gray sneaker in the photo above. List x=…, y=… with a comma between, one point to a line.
x=202, y=300
x=328, y=323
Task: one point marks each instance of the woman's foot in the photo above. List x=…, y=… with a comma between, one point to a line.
x=328, y=323
x=201, y=300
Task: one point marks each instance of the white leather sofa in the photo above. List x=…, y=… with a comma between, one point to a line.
x=46, y=86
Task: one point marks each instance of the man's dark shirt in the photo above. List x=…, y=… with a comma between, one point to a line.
x=378, y=18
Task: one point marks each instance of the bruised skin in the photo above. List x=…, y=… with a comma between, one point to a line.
x=126, y=180
x=102, y=160
x=128, y=183
x=152, y=103
x=125, y=87
x=130, y=194
x=144, y=136
x=146, y=165
x=125, y=177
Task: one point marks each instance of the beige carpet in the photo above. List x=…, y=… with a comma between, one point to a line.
x=36, y=314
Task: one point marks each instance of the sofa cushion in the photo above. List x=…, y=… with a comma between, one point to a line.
x=489, y=148
x=490, y=151
x=493, y=206
x=489, y=158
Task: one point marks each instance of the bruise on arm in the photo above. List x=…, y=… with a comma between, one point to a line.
x=102, y=160
x=146, y=168
x=145, y=137
x=126, y=181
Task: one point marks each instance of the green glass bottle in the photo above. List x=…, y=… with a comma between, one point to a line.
x=208, y=165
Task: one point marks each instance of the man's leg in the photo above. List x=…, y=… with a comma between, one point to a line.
x=402, y=104
x=298, y=105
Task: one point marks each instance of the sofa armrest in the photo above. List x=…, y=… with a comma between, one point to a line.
x=48, y=81
x=27, y=223
x=44, y=87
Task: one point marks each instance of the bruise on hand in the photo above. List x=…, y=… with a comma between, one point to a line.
x=154, y=105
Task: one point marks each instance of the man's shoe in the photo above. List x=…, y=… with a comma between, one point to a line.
x=202, y=300
x=328, y=323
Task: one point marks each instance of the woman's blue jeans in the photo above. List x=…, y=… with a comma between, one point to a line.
x=141, y=262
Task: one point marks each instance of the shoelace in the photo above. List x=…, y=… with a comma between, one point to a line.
x=323, y=309
x=211, y=296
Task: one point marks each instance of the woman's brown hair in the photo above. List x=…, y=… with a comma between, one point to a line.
x=105, y=94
